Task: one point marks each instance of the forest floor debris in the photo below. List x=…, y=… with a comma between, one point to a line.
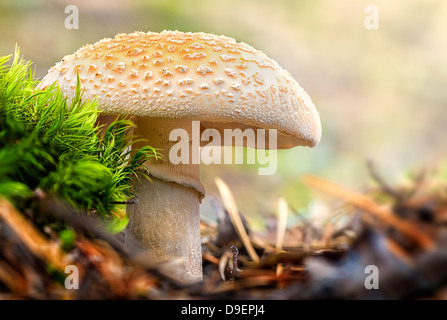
x=398, y=232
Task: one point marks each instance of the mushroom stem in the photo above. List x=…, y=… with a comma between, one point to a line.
x=164, y=225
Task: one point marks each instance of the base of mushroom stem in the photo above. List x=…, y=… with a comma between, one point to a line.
x=164, y=227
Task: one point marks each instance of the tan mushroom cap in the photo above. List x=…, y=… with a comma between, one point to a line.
x=195, y=76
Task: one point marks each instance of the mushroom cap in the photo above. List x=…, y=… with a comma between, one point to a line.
x=197, y=76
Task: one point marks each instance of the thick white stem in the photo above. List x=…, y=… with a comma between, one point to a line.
x=164, y=225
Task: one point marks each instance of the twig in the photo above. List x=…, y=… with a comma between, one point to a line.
x=367, y=204
x=382, y=183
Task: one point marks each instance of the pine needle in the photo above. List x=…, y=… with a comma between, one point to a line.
x=363, y=202
x=233, y=212
x=282, y=223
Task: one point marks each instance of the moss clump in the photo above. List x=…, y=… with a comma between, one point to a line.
x=53, y=144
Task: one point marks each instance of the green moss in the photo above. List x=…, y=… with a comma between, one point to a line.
x=52, y=144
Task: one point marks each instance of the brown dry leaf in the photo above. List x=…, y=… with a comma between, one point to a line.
x=107, y=262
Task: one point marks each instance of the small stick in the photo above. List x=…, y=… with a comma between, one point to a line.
x=383, y=185
x=361, y=201
x=128, y=202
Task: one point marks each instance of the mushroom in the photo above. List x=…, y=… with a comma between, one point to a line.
x=165, y=81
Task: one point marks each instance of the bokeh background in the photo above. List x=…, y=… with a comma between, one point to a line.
x=381, y=93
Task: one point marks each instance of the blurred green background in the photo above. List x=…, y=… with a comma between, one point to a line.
x=381, y=93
